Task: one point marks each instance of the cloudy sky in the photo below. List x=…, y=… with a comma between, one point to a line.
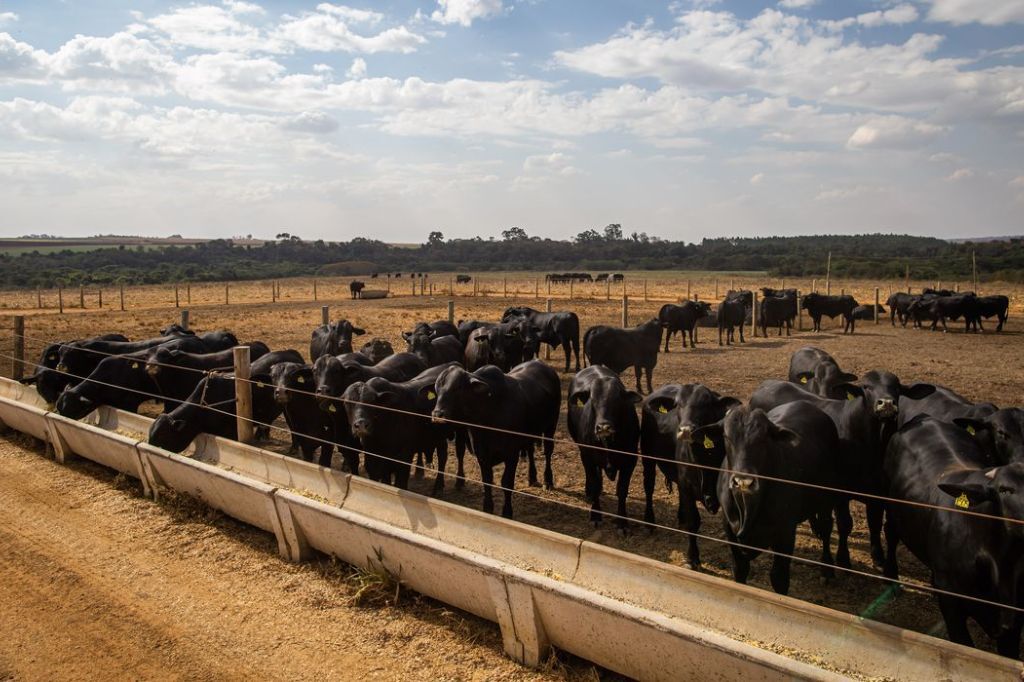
x=390, y=119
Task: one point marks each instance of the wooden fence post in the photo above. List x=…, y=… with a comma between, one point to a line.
x=799, y=312
x=547, y=308
x=39, y=299
x=227, y=294
x=753, y=314
x=325, y=315
x=451, y=286
x=60, y=299
x=184, y=318
x=608, y=289
x=504, y=286
x=536, y=287
x=176, y=301
x=570, y=288
x=122, y=297
x=687, y=290
x=188, y=294
x=828, y=275
x=81, y=296
x=314, y=290
x=18, y=362
x=243, y=395
x=451, y=312
x=645, y=291
x=100, y=302
x=549, y=287
x=716, y=288
x=413, y=286
x=876, y=305
x=625, y=311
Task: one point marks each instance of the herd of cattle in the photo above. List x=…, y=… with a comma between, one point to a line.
x=800, y=449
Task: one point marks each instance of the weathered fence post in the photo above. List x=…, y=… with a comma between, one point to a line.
x=39, y=299
x=476, y=285
x=504, y=286
x=81, y=296
x=227, y=294
x=814, y=286
x=753, y=314
x=716, y=288
x=122, y=297
x=184, y=318
x=188, y=294
x=273, y=291
x=570, y=287
x=547, y=308
x=18, y=362
x=325, y=315
x=608, y=289
x=413, y=286
x=176, y=301
x=451, y=286
x=314, y=290
x=536, y=287
x=549, y=286
x=828, y=275
x=451, y=312
x=243, y=395
x=906, y=278
x=60, y=299
x=687, y=290
x=799, y=311
x=100, y=296
x=625, y=311
x=389, y=283
x=645, y=291
x=876, y=305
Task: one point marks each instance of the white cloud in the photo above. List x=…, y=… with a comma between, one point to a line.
x=893, y=132
x=990, y=12
x=352, y=14
x=20, y=60
x=209, y=27
x=757, y=178
x=8, y=18
x=960, y=174
x=328, y=31
x=121, y=62
x=945, y=157
x=241, y=7
x=311, y=122
x=901, y=14
x=1017, y=182
x=843, y=193
x=465, y=12
x=797, y=4
x=358, y=68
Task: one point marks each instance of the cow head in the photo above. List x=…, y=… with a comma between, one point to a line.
x=73, y=405
x=170, y=433
x=291, y=380
x=456, y=390
x=605, y=402
x=1001, y=433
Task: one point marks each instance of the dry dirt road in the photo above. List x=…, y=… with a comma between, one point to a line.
x=99, y=582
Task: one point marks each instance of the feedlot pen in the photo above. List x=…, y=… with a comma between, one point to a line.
x=980, y=366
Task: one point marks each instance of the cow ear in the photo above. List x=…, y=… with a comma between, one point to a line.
x=661, y=405
x=358, y=331
x=178, y=425
x=726, y=403
x=846, y=391
x=917, y=391
x=784, y=435
x=579, y=398
x=971, y=426
x=804, y=377
x=406, y=335
x=847, y=377
x=967, y=488
x=481, y=388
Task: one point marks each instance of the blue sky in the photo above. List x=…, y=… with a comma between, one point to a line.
x=683, y=119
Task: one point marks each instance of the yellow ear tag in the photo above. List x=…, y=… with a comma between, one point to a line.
x=259, y=384
x=803, y=380
x=708, y=443
x=301, y=380
x=850, y=396
x=332, y=408
x=51, y=356
x=579, y=403
x=662, y=409
x=962, y=501
x=431, y=395
x=970, y=430
x=135, y=365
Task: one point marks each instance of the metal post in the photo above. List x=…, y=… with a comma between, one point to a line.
x=325, y=315
x=18, y=363
x=122, y=297
x=547, y=308
x=243, y=395
x=876, y=305
x=184, y=318
x=753, y=315
x=451, y=312
x=625, y=311
x=60, y=299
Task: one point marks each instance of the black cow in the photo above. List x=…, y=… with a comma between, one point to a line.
x=211, y=409
x=899, y=306
x=820, y=305
x=994, y=306
x=355, y=287
x=467, y=327
x=434, y=330
x=944, y=404
x=392, y=419
x=865, y=417
x=732, y=313
x=937, y=464
x=333, y=376
x=436, y=350
x=119, y=381
x=618, y=349
x=295, y=392
x=618, y=277
x=51, y=357
x=175, y=372
x=929, y=291
x=682, y=318
x=792, y=442
x=526, y=400
x=463, y=279
x=940, y=308
x=500, y=345
x=669, y=417
x=778, y=309
x=867, y=312
x=602, y=420
x=1001, y=434
x=376, y=350
x=555, y=329
x=817, y=371
x=333, y=339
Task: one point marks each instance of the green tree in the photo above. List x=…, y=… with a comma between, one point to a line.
x=435, y=238
x=514, y=234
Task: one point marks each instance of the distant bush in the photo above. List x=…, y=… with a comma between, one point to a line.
x=348, y=267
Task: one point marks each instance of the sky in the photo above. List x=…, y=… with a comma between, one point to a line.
x=392, y=119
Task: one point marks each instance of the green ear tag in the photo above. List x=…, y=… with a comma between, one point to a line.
x=332, y=408
x=579, y=403
x=970, y=430
x=850, y=396
x=803, y=380
x=662, y=409
x=135, y=365
x=301, y=380
x=431, y=395
x=962, y=501
x=708, y=443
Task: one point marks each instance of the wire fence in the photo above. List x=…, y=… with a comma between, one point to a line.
x=523, y=493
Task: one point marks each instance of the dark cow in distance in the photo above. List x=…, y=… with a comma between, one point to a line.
x=994, y=306
x=682, y=318
x=820, y=305
x=778, y=309
x=791, y=442
x=333, y=339
x=669, y=418
x=732, y=313
x=555, y=329
x=940, y=308
x=619, y=349
x=899, y=306
x=355, y=287
x=602, y=419
x=527, y=401
x=937, y=464
x=463, y=279
x=866, y=313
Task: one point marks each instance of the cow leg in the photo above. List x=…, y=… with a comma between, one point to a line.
x=549, y=448
x=956, y=621
x=487, y=476
x=460, y=455
x=740, y=559
x=693, y=340
x=649, y=371
x=592, y=486
x=402, y=476
x=779, y=574
x=1008, y=644
x=892, y=540
x=650, y=474
x=532, y=462
x=668, y=335
x=508, y=484
x=874, y=513
x=418, y=471
x=638, y=371
x=689, y=518
x=822, y=523
x=622, y=490
x=844, y=524
x=719, y=335
x=442, y=461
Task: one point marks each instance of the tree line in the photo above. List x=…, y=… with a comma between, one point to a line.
x=870, y=256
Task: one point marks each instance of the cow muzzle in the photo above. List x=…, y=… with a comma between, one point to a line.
x=886, y=408
x=438, y=417
x=685, y=434
x=604, y=431
x=152, y=370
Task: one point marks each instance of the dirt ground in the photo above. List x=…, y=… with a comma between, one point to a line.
x=982, y=367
